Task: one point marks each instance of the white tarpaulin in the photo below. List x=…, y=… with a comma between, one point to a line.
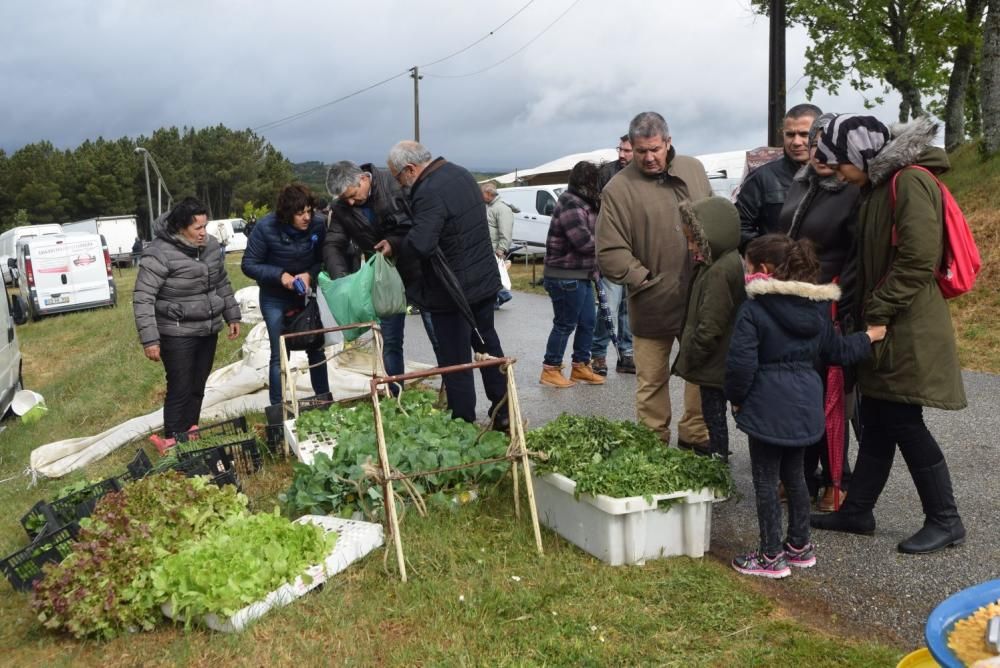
x=238, y=388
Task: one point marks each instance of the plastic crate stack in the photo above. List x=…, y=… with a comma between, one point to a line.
x=242, y=453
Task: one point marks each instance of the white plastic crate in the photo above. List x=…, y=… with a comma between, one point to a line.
x=626, y=530
x=306, y=448
x=354, y=540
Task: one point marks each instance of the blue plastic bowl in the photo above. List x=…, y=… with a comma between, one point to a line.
x=956, y=607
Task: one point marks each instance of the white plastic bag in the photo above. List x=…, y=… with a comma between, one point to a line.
x=502, y=265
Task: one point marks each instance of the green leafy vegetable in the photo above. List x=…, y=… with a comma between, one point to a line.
x=622, y=459
x=238, y=564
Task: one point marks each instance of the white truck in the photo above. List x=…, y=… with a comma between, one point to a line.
x=11, y=379
x=119, y=232
x=10, y=240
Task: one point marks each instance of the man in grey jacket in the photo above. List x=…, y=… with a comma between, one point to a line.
x=500, y=218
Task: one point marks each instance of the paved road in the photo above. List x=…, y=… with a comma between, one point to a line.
x=860, y=578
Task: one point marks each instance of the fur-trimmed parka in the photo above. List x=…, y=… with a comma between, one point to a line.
x=781, y=332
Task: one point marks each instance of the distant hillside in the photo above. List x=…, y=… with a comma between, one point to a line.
x=975, y=184
x=312, y=174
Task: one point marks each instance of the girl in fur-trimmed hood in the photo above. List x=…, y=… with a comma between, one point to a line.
x=781, y=331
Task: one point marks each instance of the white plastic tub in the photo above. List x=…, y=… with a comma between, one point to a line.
x=626, y=530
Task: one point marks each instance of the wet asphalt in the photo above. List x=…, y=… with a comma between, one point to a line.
x=862, y=580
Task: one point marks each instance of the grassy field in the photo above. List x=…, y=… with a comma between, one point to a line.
x=478, y=593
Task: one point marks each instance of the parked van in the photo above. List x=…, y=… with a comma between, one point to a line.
x=11, y=380
x=9, y=242
x=533, y=209
x=231, y=229
x=65, y=272
x=119, y=232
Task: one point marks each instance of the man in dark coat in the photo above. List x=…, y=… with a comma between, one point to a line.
x=448, y=213
x=763, y=192
x=369, y=207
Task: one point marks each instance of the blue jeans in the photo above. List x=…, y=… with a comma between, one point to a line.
x=618, y=305
x=273, y=308
x=573, y=309
x=393, y=359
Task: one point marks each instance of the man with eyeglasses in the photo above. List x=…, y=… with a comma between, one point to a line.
x=762, y=193
x=447, y=210
x=617, y=295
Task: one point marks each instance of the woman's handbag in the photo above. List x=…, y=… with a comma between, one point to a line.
x=305, y=320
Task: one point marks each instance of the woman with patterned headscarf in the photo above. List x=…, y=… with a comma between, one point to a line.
x=899, y=247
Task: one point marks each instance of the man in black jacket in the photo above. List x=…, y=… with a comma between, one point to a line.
x=448, y=213
x=370, y=207
x=763, y=192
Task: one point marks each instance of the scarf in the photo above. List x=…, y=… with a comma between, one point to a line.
x=852, y=138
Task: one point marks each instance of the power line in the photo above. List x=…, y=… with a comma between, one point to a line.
x=294, y=117
x=501, y=62
x=481, y=39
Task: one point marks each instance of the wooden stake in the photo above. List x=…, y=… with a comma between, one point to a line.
x=387, y=493
x=518, y=426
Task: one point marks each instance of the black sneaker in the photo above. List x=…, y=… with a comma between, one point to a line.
x=626, y=364
x=599, y=365
x=761, y=565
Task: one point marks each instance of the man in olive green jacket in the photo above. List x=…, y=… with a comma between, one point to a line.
x=640, y=244
x=900, y=246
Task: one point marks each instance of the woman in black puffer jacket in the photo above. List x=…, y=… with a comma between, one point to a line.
x=182, y=296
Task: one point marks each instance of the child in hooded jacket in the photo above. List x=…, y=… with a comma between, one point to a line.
x=781, y=331
x=712, y=228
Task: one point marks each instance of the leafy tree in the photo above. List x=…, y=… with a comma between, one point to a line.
x=905, y=45
x=991, y=80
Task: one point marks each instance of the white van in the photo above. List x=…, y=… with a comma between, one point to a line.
x=10, y=239
x=65, y=272
x=231, y=229
x=11, y=379
x=534, y=206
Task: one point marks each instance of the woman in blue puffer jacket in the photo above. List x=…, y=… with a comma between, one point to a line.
x=287, y=245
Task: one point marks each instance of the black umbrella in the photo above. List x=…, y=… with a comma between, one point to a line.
x=450, y=282
x=605, y=311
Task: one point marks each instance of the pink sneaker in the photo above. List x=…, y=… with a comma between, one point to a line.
x=800, y=557
x=162, y=444
x=758, y=563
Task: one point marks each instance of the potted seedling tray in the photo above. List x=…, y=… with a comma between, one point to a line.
x=305, y=447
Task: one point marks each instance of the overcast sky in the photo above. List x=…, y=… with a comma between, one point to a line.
x=72, y=71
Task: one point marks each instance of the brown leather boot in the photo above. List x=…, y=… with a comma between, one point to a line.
x=827, y=501
x=552, y=376
x=582, y=373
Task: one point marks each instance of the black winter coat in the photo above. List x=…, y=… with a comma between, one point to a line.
x=349, y=225
x=447, y=210
x=761, y=197
x=275, y=248
x=781, y=332
x=181, y=290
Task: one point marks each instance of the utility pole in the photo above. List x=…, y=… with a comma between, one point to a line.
x=416, y=102
x=776, y=74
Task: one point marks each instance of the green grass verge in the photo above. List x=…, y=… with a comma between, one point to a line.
x=462, y=606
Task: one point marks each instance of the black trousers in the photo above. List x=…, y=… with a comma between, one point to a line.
x=456, y=341
x=713, y=408
x=770, y=463
x=888, y=424
x=188, y=362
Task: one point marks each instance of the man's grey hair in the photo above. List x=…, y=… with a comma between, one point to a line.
x=648, y=124
x=489, y=188
x=341, y=176
x=407, y=153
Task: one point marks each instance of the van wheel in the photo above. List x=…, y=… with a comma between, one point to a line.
x=33, y=314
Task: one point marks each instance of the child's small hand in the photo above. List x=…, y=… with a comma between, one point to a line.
x=876, y=332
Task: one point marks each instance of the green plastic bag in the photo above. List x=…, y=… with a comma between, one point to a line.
x=388, y=293
x=350, y=298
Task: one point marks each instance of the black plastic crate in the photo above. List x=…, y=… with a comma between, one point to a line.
x=25, y=566
x=137, y=469
x=235, y=428
x=78, y=505
x=211, y=461
x=245, y=455
x=38, y=518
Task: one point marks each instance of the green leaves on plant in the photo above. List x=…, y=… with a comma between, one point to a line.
x=622, y=459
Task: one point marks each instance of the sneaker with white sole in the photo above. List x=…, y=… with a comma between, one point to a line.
x=761, y=565
x=800, y=557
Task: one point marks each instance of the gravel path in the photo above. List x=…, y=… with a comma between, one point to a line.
x=859, y=578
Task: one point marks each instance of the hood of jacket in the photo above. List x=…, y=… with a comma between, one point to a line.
x=808, y=176
x=714, y=224
x=795, y=305
x=910, y=145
